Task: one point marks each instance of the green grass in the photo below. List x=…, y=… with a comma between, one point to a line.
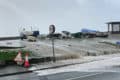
x=10, y=55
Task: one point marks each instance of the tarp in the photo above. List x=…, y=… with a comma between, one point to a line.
x=118, y=42
x=88, y=31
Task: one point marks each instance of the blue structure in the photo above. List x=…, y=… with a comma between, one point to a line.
x=118, y=42
x=88, y=31
x=36, y=33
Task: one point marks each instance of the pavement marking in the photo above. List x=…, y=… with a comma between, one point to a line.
x=84, y=76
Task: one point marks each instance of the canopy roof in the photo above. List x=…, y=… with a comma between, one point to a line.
x=118, y=22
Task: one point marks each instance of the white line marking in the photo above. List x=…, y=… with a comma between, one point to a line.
x=83, y=76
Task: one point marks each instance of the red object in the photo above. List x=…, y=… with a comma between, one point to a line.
x=27, y=64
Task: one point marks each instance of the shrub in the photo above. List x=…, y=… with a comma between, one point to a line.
x=10, y=55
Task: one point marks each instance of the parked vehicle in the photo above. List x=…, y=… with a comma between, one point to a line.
x=30, y=35
x=101, y=34
x=66, y=35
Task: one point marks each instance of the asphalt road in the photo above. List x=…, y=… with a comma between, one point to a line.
x=67, y=76
x=83, y=76
x=28, y=76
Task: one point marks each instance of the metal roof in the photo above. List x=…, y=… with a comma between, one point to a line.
x=117, y=22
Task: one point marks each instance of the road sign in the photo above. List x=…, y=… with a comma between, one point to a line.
x=51, y=32
x=51, y=29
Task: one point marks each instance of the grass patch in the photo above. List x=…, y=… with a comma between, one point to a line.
x=11, y=54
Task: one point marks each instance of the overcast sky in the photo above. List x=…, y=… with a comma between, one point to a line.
x=71, y=15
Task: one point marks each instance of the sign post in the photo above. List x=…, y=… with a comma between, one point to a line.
x=51, y=32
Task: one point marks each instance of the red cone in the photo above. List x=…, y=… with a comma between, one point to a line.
x=27, y=64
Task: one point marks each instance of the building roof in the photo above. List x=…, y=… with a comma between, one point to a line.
x=117, y=22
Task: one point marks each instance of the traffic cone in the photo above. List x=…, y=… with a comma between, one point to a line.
x=18, y=58
x=27, y=64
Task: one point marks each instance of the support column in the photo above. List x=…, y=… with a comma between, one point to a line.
x=119, y=27
x=112, y=28
x=108, y=28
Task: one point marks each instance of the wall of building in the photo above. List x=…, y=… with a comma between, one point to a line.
x=116, y=27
